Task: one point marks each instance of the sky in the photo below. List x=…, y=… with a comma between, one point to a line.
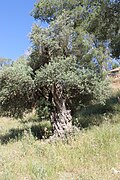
x=15, y=25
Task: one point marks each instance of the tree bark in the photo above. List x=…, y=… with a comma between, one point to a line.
x=61, y=118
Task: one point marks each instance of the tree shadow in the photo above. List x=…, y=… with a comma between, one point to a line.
x=13, y=134
x=39, y=131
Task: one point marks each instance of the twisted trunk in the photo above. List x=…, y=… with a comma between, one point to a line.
x=61, y=118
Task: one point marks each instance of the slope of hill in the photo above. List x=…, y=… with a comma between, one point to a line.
x=91, y=153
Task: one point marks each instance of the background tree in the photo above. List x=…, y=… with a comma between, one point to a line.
x=101, y=18
x=5, y=62
x=106, y=25
x=16, y=88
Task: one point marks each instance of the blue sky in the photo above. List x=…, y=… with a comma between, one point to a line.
x=15, y=25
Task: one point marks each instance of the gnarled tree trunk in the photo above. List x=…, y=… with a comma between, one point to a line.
x=61, y=118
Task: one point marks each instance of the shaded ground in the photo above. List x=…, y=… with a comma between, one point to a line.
x=39, y=130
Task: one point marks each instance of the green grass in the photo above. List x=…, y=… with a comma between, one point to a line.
x=87, y=155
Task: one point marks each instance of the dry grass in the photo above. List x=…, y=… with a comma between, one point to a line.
x=90, y=154
x=115, y=83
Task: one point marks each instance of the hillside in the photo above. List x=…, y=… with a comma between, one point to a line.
x=115, y=83
x=92, y=153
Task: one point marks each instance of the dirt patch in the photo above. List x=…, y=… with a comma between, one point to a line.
x=115, y=84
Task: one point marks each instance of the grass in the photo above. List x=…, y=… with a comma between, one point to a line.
x=88, y=154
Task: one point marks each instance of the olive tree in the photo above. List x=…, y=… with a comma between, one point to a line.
x=65, y=66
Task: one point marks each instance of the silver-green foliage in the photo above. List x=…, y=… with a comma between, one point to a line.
x=16, y=88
